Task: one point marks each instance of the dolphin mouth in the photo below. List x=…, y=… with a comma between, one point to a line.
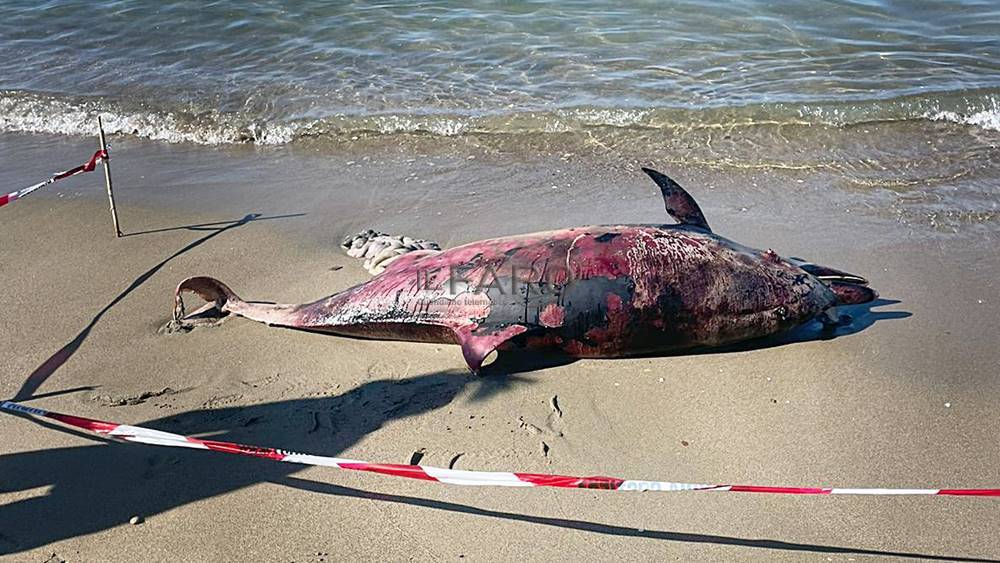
x=828, y=274
x=849, y=289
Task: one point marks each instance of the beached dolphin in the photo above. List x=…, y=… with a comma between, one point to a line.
x=588, y=292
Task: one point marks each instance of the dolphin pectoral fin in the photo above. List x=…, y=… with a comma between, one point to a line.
x=680, y=205
x=478, y=341
x=832, y=319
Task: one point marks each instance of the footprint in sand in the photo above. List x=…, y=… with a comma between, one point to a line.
x=221, y=401
x=136, y=399
x=553, y=424
x=554, y=421
x=527, y=426
x=417, y=456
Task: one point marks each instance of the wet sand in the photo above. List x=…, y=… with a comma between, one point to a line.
x=905, y=397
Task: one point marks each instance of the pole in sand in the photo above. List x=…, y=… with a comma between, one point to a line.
x=107, y=176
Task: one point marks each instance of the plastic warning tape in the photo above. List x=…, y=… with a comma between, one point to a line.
x=85, y=167
x=142, y=435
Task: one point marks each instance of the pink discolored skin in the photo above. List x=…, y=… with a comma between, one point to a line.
x=616, y=290
x=605, y=291
x=594, y=292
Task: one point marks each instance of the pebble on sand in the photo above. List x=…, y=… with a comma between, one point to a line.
x=135, y=520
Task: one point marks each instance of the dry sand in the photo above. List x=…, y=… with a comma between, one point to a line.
x=908, y=396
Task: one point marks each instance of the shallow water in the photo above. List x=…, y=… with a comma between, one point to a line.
x=269, y=71
x=899, y=98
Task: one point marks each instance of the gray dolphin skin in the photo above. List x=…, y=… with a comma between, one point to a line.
x=587, y=292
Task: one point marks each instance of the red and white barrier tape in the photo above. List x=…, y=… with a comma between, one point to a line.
x=85, y=167
x=451, y=476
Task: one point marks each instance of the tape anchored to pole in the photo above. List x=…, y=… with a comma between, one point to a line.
x=88, y=166
x=142, y=435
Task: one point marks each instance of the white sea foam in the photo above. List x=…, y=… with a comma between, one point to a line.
x=437, y=125
x=986, y=118
x=28, y=113
x=35, y=113
x=614, y=117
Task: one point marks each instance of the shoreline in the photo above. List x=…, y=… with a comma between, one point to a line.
x=863, y=409
x=880, y=170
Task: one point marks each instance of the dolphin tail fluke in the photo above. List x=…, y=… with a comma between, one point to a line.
x=221, y=301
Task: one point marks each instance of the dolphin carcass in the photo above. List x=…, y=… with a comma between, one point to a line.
x=587, y=292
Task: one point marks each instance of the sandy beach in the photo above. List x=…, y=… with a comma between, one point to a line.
x=906, y=396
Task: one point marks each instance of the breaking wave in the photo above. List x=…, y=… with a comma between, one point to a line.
x=28, y=112
x=33, y=113
x=986, y=118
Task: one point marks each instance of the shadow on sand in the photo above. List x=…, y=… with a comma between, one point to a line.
x=609, y=529
x=95, y=487
x=56, y=360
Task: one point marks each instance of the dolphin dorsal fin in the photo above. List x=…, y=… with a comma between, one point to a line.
x=680, y=205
